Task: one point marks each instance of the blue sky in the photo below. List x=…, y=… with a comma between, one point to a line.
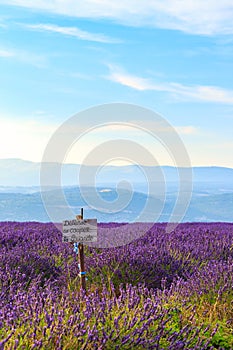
x=59, y=57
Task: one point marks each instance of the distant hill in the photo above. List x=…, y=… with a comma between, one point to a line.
x=17, y=172
x=20, y=197
x=29, y=207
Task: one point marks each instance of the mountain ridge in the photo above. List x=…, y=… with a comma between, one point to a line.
x=18, y=172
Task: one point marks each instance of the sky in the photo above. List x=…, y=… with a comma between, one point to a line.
x=60, y=57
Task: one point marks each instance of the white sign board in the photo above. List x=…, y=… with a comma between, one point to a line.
x=81, y=231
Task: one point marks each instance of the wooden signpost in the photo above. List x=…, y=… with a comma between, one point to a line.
x=80, y=231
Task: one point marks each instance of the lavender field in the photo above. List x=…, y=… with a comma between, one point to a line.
x=162, y=291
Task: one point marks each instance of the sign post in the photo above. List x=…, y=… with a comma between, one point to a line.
x=80, y=231
x=81, y=259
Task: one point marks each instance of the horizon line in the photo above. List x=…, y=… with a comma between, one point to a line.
x=116, y=166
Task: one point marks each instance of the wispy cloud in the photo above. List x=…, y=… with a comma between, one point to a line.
x=120, y=76
x=207, y=17
x=6, y=53
x=2, y=25
x=133, y=128
x=187, y=130
x=36, y=60
x=203, y=93
x=73, y=31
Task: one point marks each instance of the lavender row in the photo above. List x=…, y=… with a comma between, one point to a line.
x=162, y=291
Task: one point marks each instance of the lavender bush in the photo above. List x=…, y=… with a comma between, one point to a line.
x=162, y=291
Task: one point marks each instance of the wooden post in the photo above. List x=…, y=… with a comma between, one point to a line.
x=81, y=259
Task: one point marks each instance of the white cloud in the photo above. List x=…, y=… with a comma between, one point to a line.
x=2, y=25
x=207, y=17
x=132, y=81
x=187, y=130
x=132, y=127
x=203, y=93
x=24, y=57
x=73, y=31
x=6, y=53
